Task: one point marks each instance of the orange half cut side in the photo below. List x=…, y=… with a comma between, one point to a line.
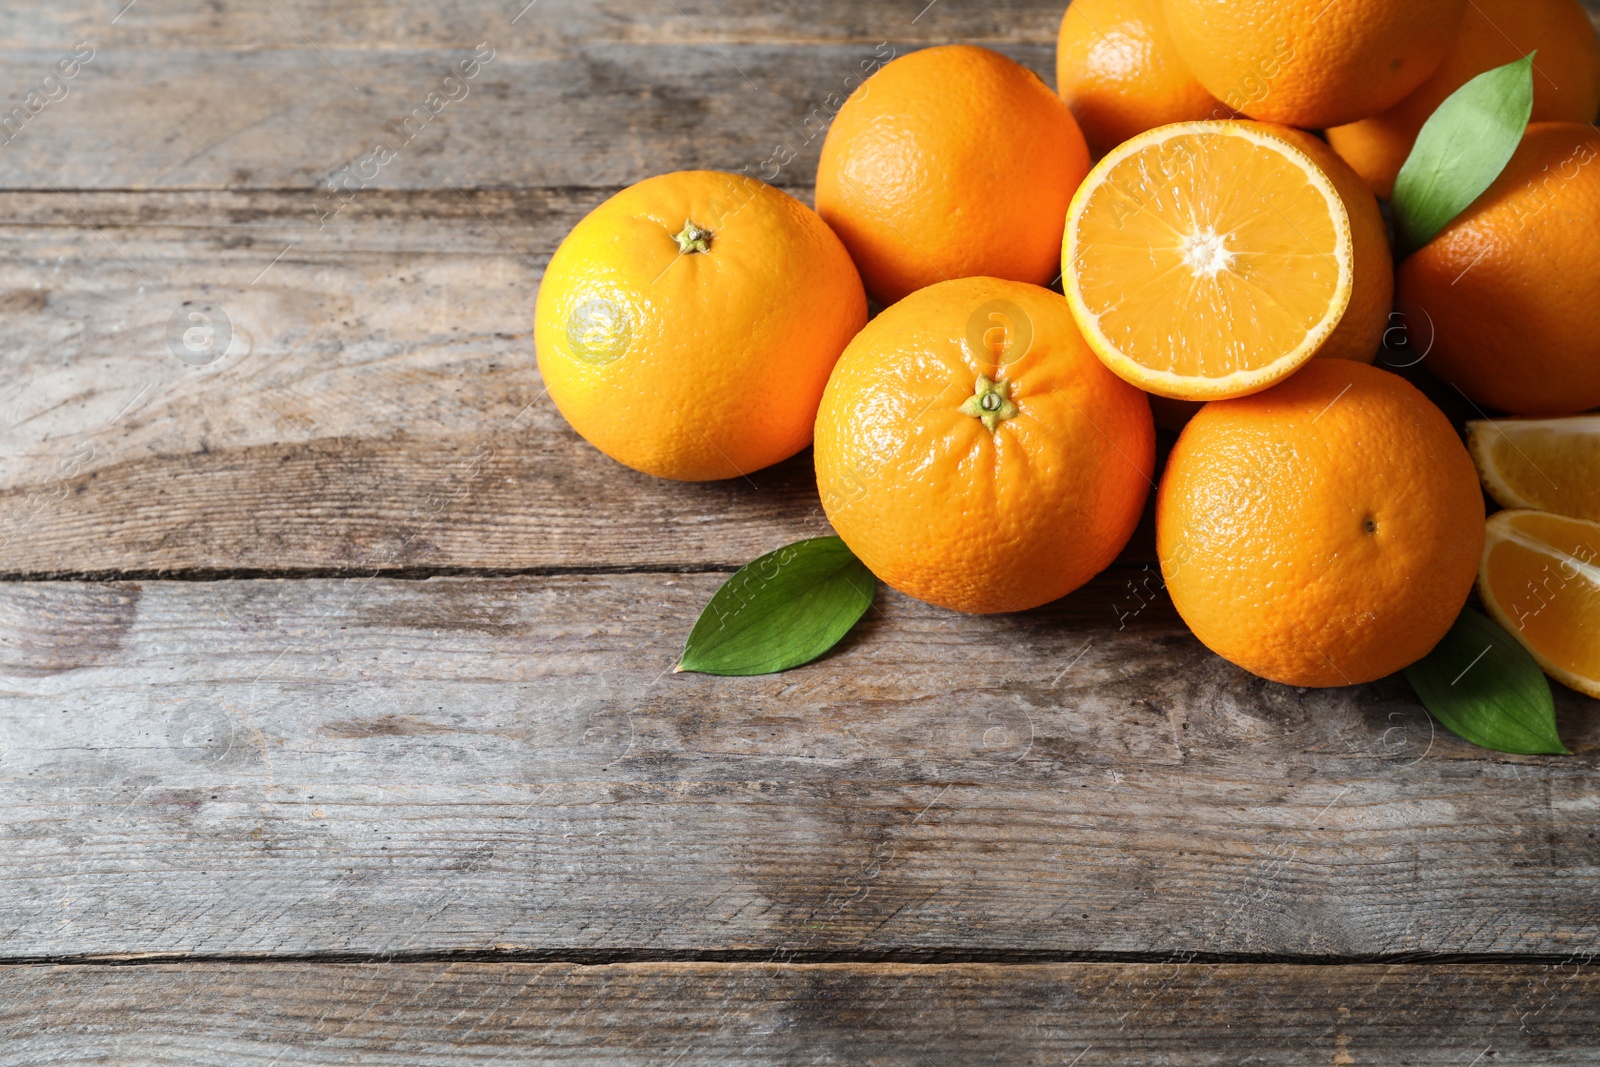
x=1206, y=260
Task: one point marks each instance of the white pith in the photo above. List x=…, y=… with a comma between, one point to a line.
x=1206, y=253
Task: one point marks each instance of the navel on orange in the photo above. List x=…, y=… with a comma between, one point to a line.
x=973, y=453
x=1207, y=259
x=1323, y=532
x=686, y=326
x=1540, y=579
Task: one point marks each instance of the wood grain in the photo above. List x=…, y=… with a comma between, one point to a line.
x=322, y=766
x=397, y=25
x=591, y=115
x=378, y=408
x=404, y=25
x=1082, y=1014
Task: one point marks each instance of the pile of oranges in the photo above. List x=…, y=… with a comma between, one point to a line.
x=987, y=441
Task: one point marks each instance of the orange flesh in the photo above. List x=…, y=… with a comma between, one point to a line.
x=1202, y=255
x=1549, y=464
x=1541, y=579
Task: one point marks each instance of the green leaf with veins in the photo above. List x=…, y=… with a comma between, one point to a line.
x=786, y=608
x=1461, y=150
x=1485, y=687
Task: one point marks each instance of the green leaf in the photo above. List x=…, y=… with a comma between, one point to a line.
x=1461, y=150
x=782, y=610
x=1485, y=687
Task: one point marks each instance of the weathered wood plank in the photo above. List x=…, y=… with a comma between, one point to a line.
x=594, y=115
x=321, y=766
x=358, y=25
x=369, y=25
x=1081, y=1014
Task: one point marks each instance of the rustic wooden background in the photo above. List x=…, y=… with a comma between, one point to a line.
x=336, y=719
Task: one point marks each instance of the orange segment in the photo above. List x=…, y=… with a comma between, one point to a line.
x=1549, y=464
x=1540, y=579
x=1207, y=259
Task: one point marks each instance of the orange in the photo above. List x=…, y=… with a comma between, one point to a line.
x=686, y=326
x=1323, y=532
x=1312, y=63
x=1549, y=464
x=1118, y=70
x=1566, y=79
x=1207, y=259
x=951, y=162
x=973, y=452
x=1540, y=579
x=1359, y=334
x=1510, y=285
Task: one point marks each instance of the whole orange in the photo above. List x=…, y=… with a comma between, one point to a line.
x=1360, y=332
x=974, y=453
x=1323, y=532
x=951, y=162
x=1312, y=63
x=686, y=327
x=1118, y=70
x=1510, y=286
x=1566, y=79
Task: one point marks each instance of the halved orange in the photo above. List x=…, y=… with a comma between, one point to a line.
x=1540, y=579
x=1549, y=464
x=1207, y=259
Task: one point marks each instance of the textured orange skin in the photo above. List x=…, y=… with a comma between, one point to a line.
x=1118, y=70
x=1261, y=526
x=727, y=351
x=952, y=162
x=1360, y=332
x=1511, y=284
x=1566, y=80
x=1313, y=63
x=943, y=510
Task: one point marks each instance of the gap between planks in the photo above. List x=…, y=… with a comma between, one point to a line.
x=753, y=957
x=402, y=574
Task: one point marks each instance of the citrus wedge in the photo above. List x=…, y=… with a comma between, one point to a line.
x=1540, y=579
x=1206, y=259
x=1549, y=464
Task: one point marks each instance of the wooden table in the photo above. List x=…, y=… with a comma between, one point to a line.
x=336, y=715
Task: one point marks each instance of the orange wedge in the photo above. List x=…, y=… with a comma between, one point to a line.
x=1540, y=579
x=1549, y=464
x=1207, y=259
